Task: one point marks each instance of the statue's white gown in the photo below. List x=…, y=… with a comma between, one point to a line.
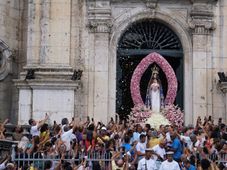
x=155, y=96
x=156, y=119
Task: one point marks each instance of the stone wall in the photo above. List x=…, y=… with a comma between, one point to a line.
x=10, y=19
x=219, y=60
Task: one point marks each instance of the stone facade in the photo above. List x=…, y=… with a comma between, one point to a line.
x=55, y=37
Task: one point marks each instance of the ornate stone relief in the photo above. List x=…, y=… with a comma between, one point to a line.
x=5, y=60
x=151, y=3
x=99, y=16
x=201, y=21
x=99, y=26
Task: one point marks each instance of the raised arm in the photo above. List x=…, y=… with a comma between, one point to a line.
x=5, y=122
x=43, y=121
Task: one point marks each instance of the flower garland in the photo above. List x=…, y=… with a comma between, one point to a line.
x=174, y=115
x=141, y=68
x=171, y=114
x=140, y=113
x=156, y=120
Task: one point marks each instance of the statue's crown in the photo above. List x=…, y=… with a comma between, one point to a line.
x=155, y=69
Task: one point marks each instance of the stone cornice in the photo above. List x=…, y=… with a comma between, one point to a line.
x=47, y=84
x=204, y=1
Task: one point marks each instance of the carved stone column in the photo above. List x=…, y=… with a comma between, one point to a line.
x=99, y=24
x=201, y=25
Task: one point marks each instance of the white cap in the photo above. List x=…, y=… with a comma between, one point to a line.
x=103, y=128
x=169, y=153
x=10, y=165
x=148, y=149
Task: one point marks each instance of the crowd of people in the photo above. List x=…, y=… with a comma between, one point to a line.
x=119, y=145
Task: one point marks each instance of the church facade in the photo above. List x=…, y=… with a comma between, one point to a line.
x=46, y=43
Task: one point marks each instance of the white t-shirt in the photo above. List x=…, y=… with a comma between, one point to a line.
x=34, y=131
x=166, y=165
x=2, y=166
x=141, y=147
x=187, y=140
x=146, y=164
x=160, y=151
x=66, y=138
x=168, y=138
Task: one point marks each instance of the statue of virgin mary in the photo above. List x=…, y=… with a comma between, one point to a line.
x=154, y=95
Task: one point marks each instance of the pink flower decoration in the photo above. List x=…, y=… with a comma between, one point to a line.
x=174, y=114
x=141, y=68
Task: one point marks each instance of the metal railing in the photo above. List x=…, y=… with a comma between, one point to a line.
x=218, y=158
x=38, y=159
x=101, y=159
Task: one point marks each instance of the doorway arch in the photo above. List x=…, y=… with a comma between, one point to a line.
x=179, y=27
x=140, y=39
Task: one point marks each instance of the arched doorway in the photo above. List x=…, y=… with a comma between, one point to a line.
x=138, y=40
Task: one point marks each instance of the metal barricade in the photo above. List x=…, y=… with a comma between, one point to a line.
x=5, y=147
x=218, y=158
x=37, y=160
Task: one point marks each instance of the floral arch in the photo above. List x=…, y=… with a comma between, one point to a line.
x=142, y=67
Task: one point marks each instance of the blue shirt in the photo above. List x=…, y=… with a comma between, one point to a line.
x=127, y=147
x=191, y=167
x=178, y=149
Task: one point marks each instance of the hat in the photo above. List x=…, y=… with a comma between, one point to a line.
x=169, y=153
x=103, y=128
x=148, y=149
x=10, y=165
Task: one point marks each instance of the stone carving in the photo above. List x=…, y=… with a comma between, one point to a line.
x=5, y=60
x=201, y=21
x=152, y=4
x=99, y=26
x=99, y=16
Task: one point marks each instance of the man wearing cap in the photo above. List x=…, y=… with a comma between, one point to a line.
x=147, y=163
x=169, y=164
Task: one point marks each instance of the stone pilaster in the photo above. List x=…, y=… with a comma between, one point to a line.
x=201, y=24
x=48, y=34
x=99, y=24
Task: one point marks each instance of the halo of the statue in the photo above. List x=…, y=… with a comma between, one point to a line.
x=141, y=68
